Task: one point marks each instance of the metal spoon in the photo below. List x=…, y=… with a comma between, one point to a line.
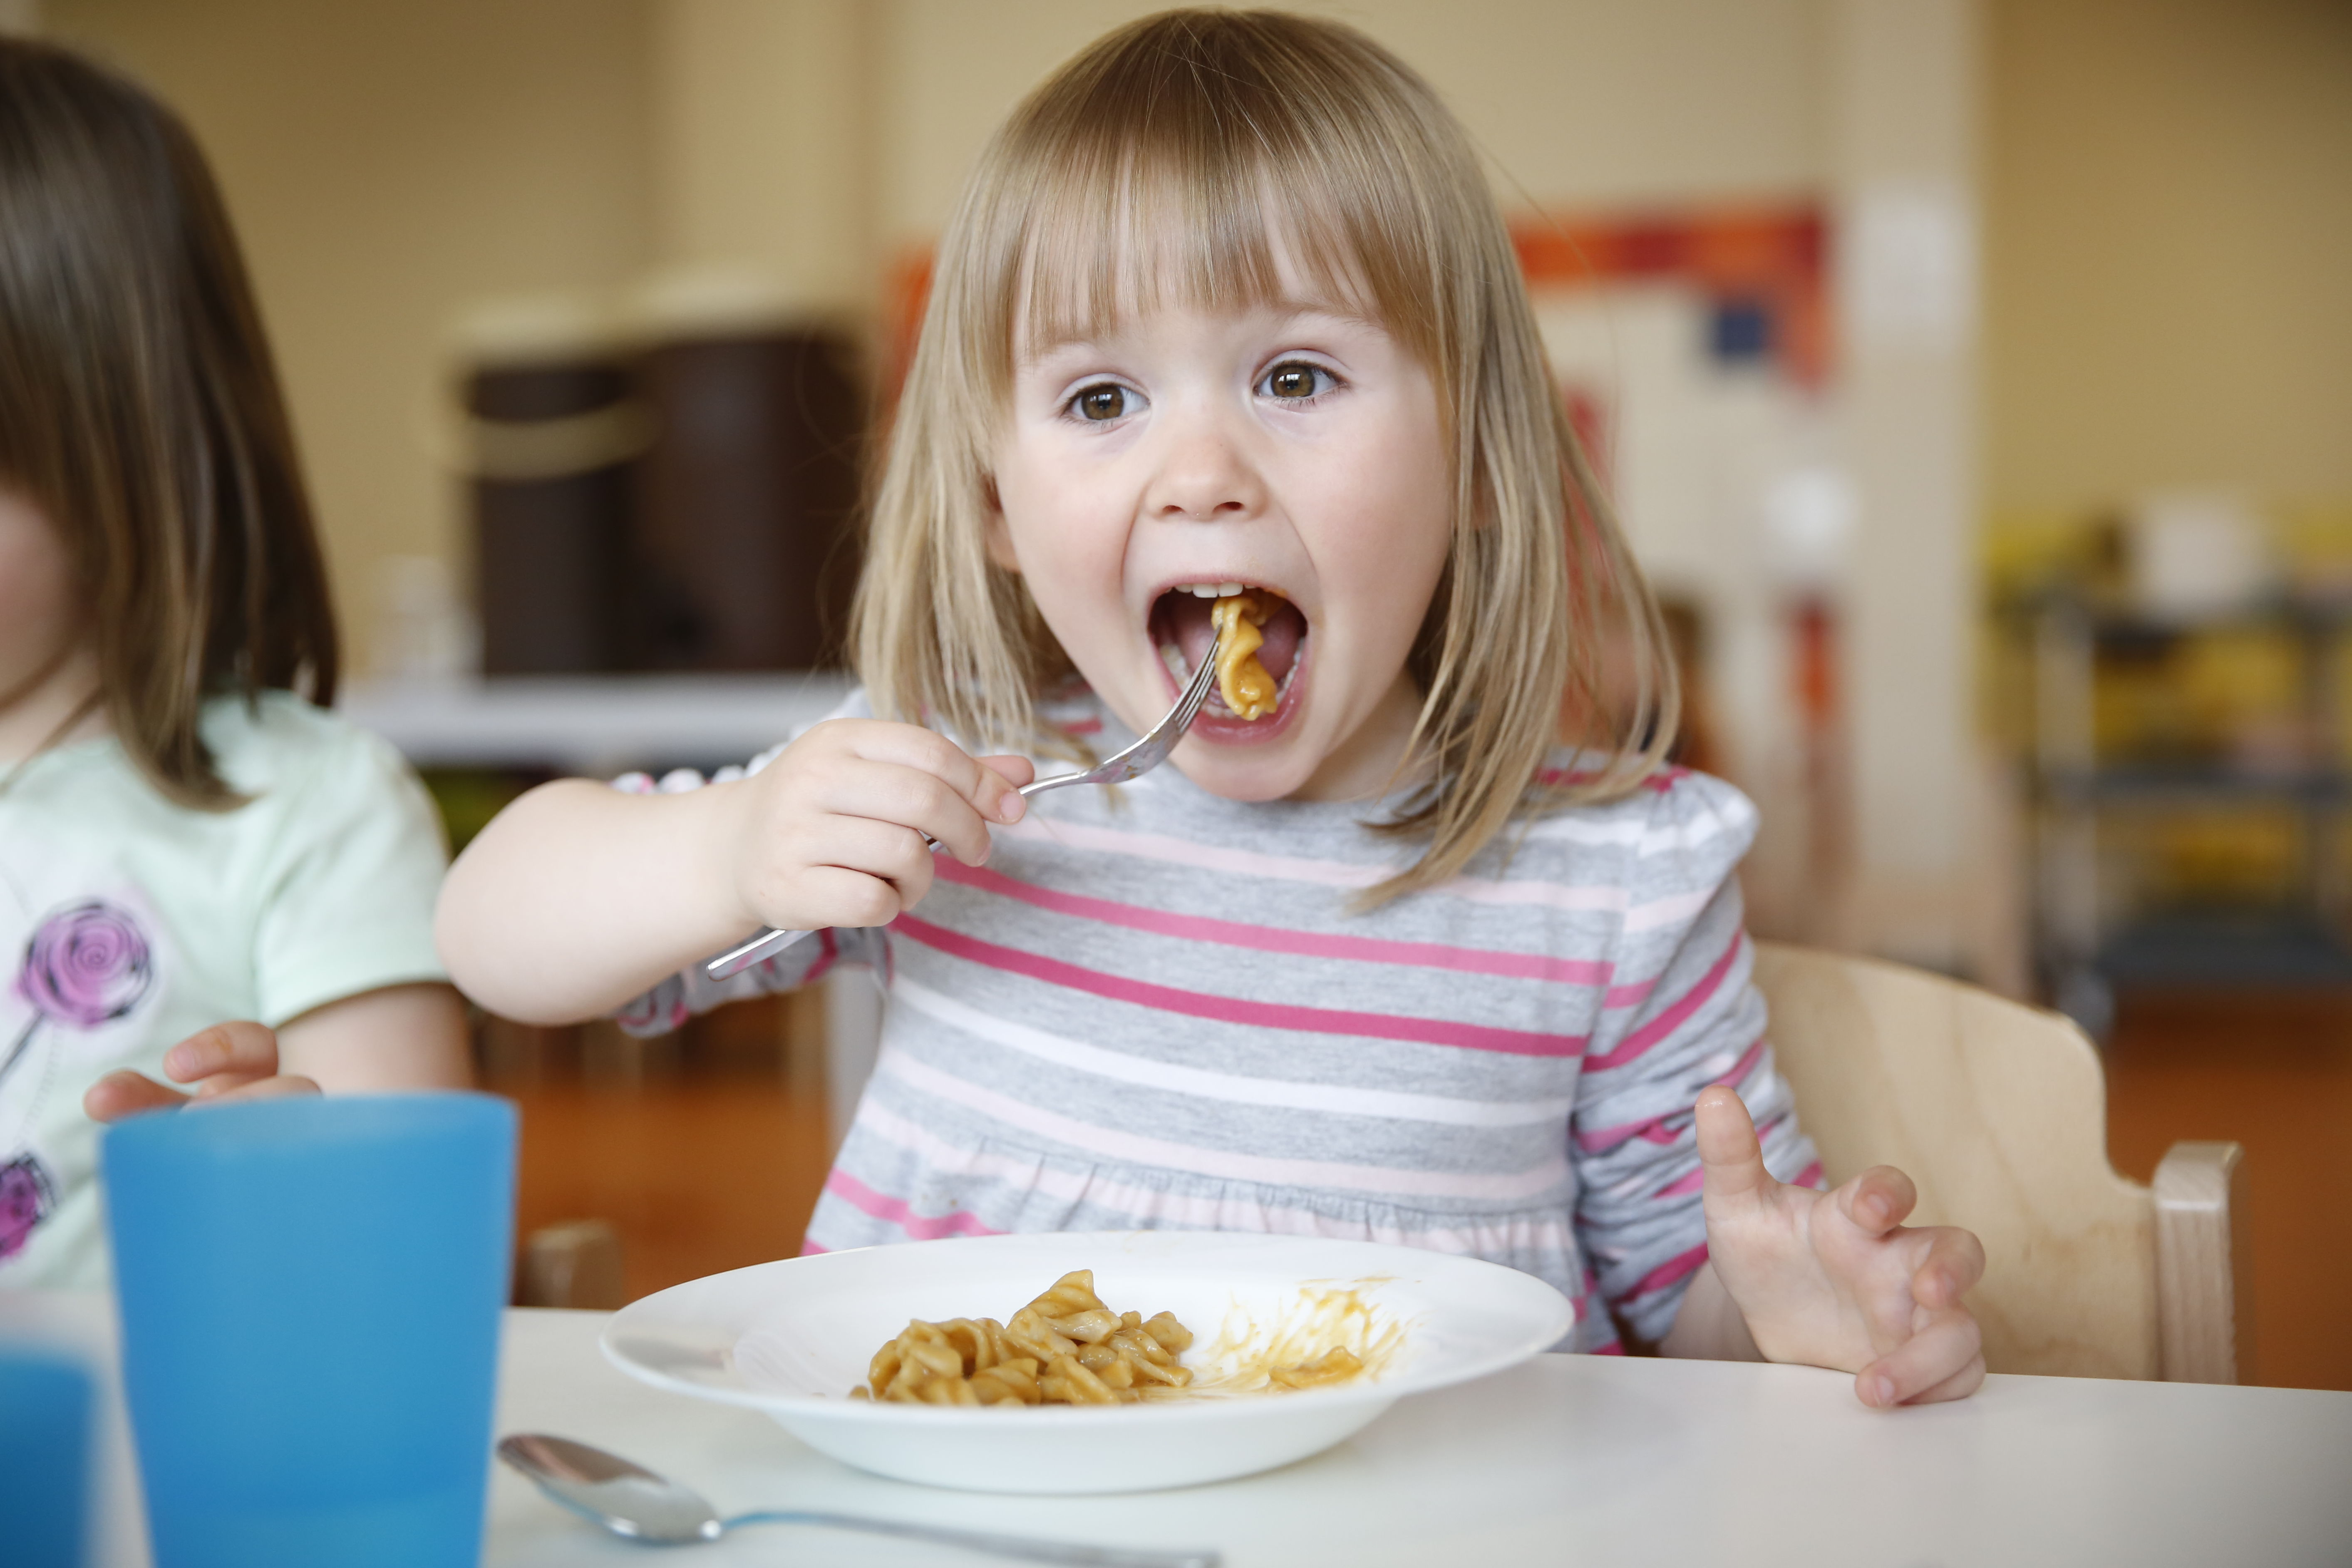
x=632, y=1502
x=1131, y=763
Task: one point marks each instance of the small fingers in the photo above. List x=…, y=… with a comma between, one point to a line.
x=986, y=790
x=842, y=897
x=274, y=1088
x=1878, y=1199
x=1727, y=1150
x=911, y=798
x=239, y=1046
x=1016, y=771
x=124, y=1093
x=884, y=851
x=1954, y=1264
x=1944, y=1358
x=1960, y=1386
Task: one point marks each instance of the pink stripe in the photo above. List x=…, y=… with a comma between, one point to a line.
x=1745, y=1065
x=1306, y=944
x=1134, y=1149
x=823, y=964
x=1681, y=1186
x=1609, y=1138
x=810, y=1248
x=1653, y=1129
x=1613, y=1348
x=1630, y=996
x=1232, y=1010
x=1672, y=1270
x=1659, y=783
x=1810, y=1177
x=1674, y=1017
x=891, y=1211
x=1160, y=846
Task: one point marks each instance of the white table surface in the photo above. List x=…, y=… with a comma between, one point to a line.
x=1575, y=1459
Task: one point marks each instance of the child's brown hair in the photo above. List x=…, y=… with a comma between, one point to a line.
x=1177, y=158
x=140, y=411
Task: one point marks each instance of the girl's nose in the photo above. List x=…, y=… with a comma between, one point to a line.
x=1204, y=478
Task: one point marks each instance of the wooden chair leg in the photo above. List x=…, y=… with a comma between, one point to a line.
x=574, y=1264
x=2200, y=1263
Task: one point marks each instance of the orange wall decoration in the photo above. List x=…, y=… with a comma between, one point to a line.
x=1774, y=259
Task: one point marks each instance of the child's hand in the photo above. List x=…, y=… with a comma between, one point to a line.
x=831, y=833
x=1835, y=1279
x=227, y=1061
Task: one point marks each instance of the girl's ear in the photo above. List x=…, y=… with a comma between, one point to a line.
x=998, y=537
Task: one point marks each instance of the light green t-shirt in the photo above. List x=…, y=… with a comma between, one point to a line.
x=128, y=922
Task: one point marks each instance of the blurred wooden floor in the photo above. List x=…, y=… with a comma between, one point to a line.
x=705, y=1152
x=2273, y=1071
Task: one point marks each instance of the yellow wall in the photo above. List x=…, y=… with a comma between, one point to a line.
x=391, y=163
x=388, y=165
x=2168, y=250
x=1586, y=101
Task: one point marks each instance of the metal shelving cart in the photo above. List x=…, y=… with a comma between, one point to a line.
x=2088, y=941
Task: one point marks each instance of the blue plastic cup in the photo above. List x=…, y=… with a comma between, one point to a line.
x=45, y=1464
x=310, y=1292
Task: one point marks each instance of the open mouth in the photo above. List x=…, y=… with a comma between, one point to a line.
x=1263, y=652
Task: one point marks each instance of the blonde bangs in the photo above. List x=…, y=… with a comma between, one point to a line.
x=1221, y=161
x=1127, y=197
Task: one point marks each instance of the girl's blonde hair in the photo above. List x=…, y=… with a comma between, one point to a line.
x=1188, y=156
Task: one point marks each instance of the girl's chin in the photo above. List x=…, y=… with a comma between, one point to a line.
x=1249, y=774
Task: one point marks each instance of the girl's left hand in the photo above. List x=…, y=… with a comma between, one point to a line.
x=1835, y=1279
x=236, y=1061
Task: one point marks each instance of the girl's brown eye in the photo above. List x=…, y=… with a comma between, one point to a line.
x=1102, y=403
x=1291, y=381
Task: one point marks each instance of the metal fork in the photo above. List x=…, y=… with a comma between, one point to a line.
x=1133, y=763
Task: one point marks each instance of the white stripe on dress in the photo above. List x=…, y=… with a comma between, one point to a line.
x=1230, y=1088
x=1169, y=851
x=1544, y=1176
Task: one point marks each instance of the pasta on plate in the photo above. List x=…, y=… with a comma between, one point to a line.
x=1063, y=1348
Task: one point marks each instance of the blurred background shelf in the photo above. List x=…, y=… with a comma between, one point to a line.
x=2177, y=699
x=2225, y=948
x=2196, y=784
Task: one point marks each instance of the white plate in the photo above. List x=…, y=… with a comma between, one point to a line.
x=792, y=1338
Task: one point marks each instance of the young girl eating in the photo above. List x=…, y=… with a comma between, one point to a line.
x=1226, y=314
x=183, y=839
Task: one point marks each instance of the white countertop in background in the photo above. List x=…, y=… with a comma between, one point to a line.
x=592, y=724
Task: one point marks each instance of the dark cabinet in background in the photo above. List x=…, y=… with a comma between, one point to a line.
x=688, y=506
x=746, y=501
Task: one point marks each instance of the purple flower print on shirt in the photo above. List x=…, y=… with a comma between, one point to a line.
x=26, y=1194
x=87, y=964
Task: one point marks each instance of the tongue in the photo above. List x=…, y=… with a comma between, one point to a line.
x=1185, y=618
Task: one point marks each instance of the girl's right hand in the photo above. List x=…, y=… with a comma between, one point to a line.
x=832, y=832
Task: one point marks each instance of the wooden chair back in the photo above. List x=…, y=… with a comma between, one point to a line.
x=1998, y=1111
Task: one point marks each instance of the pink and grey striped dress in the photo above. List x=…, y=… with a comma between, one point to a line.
x=1155, y=1007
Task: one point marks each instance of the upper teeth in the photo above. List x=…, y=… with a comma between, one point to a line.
x=1209, y=590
